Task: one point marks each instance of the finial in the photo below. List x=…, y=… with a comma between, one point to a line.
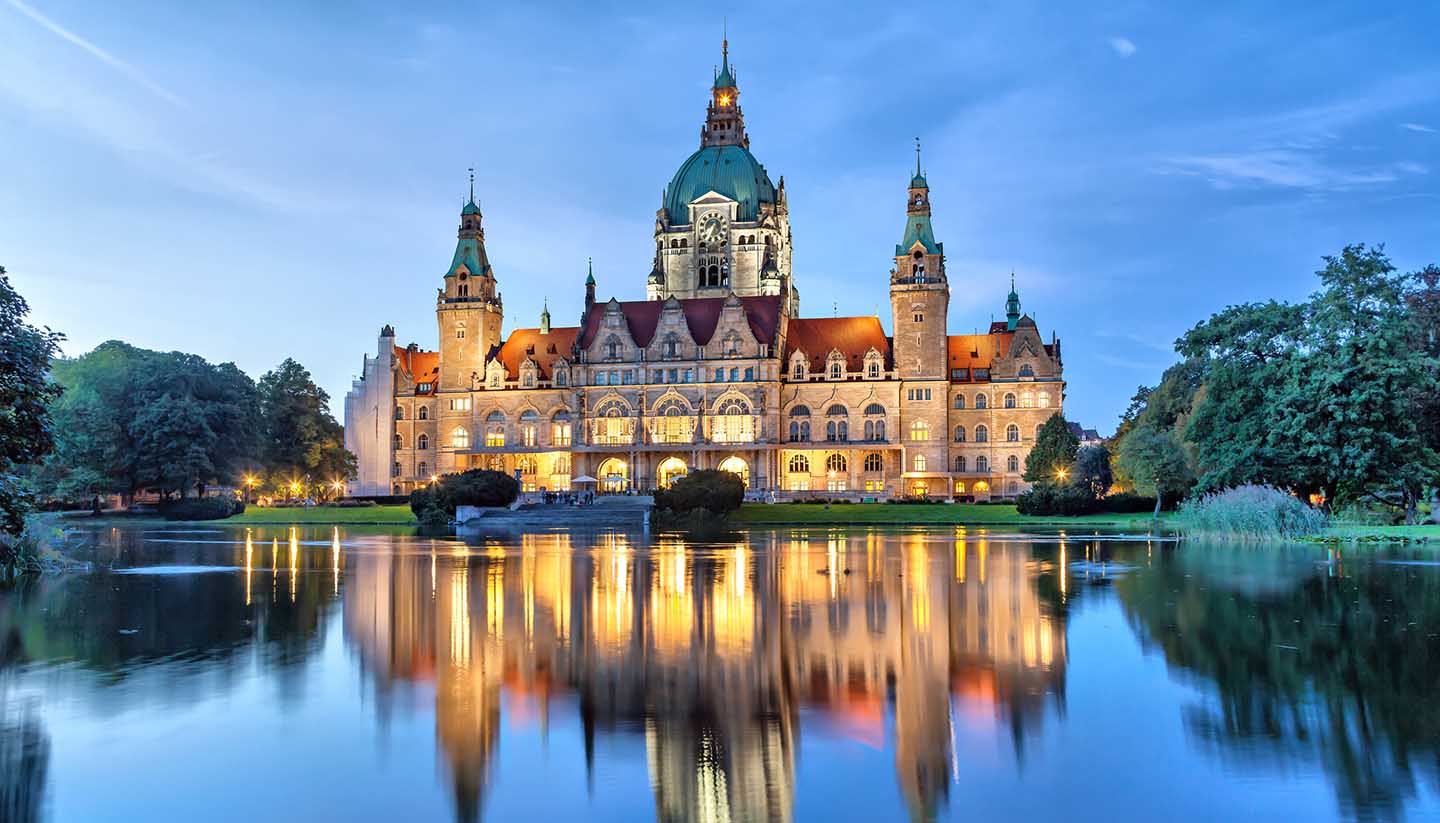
x=472, y=184
x=917, y=157
x=725, y=37
x=1012, y=280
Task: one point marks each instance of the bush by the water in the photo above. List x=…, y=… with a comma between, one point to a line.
x=1251, y=513
x=202, y=508
x=719, y=492
x=476, y=487
x=1071, y=501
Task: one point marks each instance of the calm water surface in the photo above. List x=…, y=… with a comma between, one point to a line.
x=346, y=674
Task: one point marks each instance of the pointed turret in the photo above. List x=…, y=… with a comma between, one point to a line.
x=724, y=122
x=589, y=283
x=545, y=318
x=1012, y=306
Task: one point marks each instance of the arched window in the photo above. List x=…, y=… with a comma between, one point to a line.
x=799, y=464
x=529, y=427
x=525, y=465
x=422, y=469
x=836, y=367
x=959, y=401
x=399, y=412
x=671, y=346
x=872, y=370
x=875, y=409
x=1009, y=400
x=561, y=465
x=395, y=472
x=399, y=442
x=835, y=463
x=1027, y=400
x=869, y=429
x=798, y=367
x=919, y=462
x=982, y=434
x=1012, y=487
x=1012, y=464
x=981, y=401
x=874, y=462
x=422, y=442
x=982, y=465
x=1044, y=400
x=560, y=428
x=837, y=424
x=959, y=462
x=959, y=434
x=460, y=438
x=495, y=429
x=423, y=412
x=612, y=348
x=919, y=430
x=1012, y=433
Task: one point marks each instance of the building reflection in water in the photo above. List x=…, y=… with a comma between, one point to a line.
x=711, y=651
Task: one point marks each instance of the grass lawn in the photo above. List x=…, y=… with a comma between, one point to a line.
x=955, y=514
x=327, y=515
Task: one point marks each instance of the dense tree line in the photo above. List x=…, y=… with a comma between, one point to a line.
x=131, y=419
x=1337, y=396
x=25, y=398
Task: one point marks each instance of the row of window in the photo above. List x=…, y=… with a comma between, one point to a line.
x=626, y=377
x=1025, y=400
x=526, y=466
x=834, y=367
x=875, y=462
x=982, y=433
x=671, y=347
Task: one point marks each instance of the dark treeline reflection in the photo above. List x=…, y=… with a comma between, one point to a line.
x=1324, y=662
x=710, y=652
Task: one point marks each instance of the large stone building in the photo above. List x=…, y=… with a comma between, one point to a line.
x=716, y=368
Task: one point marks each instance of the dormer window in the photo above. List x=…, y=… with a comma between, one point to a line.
x=671, y=347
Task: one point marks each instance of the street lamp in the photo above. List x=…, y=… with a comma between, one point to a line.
x=1060, y=474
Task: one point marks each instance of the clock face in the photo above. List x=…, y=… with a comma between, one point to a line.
x=710, y=229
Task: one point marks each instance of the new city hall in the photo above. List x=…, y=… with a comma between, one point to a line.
x=715, y=368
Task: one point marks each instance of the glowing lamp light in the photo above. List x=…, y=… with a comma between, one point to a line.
x=1060, y=473
x=724, y=99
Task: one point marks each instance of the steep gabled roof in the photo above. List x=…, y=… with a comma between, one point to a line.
x=544, y=349
x=702, y=315
x=852, y=336
x=422, y=366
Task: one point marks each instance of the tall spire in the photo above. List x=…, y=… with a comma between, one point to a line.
x=918, y=181
x=545, y=317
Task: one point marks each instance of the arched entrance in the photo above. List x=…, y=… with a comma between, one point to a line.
x=614, y=476
x=737, y=466
x=670, y=470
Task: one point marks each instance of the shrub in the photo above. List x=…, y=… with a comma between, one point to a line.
x=475, y=487
x=1251, y=513
x=1132, y=503
x=202, y=508
x=716, y=491
x=433, y=518
x=1054, y=499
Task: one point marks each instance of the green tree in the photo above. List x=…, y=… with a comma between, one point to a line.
x=300, y=435
x=26, y=393
x=1092, y=470
x=1054, y=451
x=1155, y=463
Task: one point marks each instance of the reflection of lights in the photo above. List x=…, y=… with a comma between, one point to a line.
x=249, y=563
x=294, y=561
x=335, y=561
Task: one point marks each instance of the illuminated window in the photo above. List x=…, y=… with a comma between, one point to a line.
x=835, y=463
x=919, y=462
x=874, y=462
x=460, y=438
x=525, y=465
x=459, y=404
x=799, y=464
x=560, y=428
x=874, y=485
x=959, y=486
x=1027, y=400
x=529, y=427
x=561, y=465
x=835, y=484
x=919, y=430
x=799, y=483
x=1044, y=399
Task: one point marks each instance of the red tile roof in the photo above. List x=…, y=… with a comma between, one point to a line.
x=422, y=366
x=702, y=315
x=853, y=336
x=976, y=351
x=544, y=349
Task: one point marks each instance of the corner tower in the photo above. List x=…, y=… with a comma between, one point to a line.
x=919, y=291
x=468, y=308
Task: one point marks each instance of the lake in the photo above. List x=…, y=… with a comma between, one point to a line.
x=949, y=674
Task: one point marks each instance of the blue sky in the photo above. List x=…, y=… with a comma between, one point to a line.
x=254, y=181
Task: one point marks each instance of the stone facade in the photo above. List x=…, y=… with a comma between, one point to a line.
x=715, y=369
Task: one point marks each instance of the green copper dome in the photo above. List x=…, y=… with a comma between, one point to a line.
x=729, y=170
x=470, y=208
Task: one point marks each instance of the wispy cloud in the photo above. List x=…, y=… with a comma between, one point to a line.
x=104, y=56
x=1417, y=127
x=1287, y=169
x=1123, y=46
